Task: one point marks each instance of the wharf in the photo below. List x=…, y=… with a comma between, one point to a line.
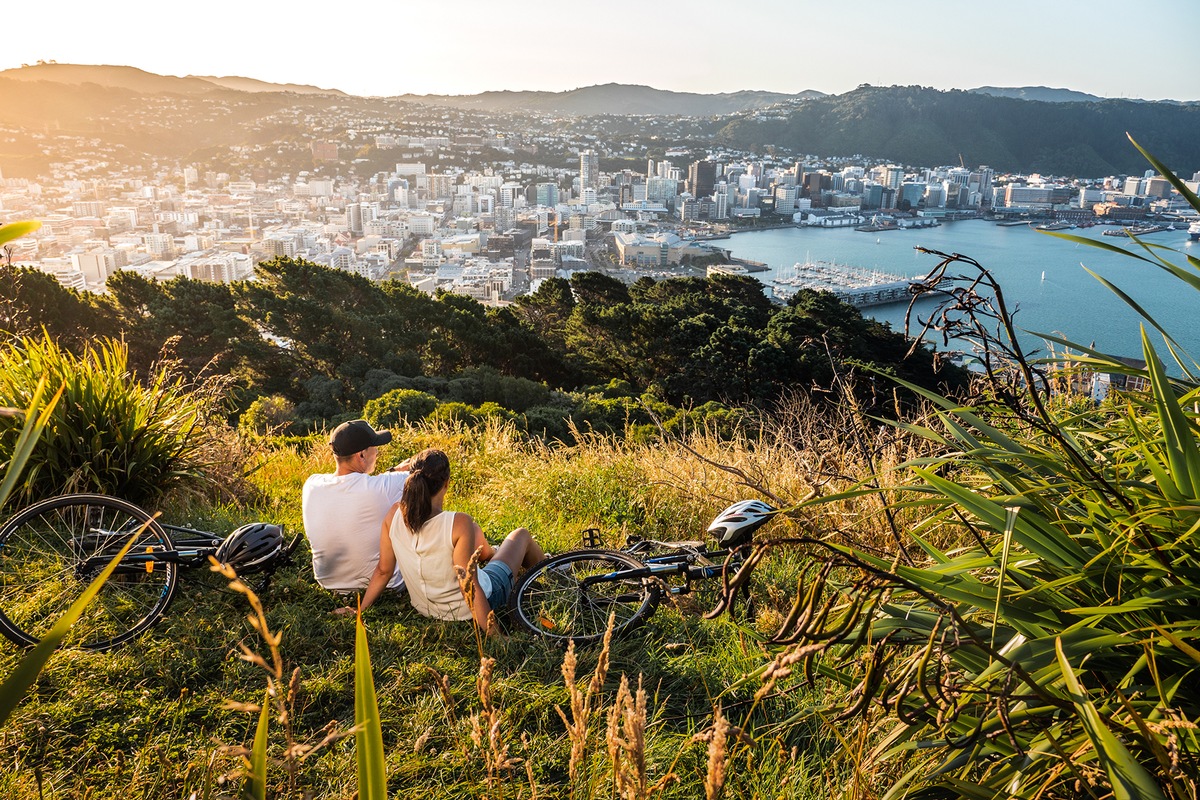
x=859, y=287
x=881, y=294
x=738, y=266
x=1138, y=230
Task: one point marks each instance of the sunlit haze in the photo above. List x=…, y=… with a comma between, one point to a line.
x=1105, y=47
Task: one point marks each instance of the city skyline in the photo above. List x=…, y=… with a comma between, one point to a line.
x=698, y=47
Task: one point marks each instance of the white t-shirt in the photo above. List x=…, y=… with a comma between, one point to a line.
x=343, y=519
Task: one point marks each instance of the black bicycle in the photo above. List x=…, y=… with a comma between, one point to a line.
x=52, y=550
x=570, y=597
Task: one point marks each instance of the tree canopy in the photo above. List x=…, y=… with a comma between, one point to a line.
x=329, y=341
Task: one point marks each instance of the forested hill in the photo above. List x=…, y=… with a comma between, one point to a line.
x=917, y=126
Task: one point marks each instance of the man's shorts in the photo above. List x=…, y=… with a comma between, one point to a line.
x=496, y=580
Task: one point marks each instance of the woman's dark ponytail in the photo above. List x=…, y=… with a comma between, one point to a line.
x=430, y=472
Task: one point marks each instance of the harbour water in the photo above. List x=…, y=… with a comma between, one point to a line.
x=1043, y=276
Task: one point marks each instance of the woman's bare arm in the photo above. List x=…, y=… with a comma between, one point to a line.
x=467, y=537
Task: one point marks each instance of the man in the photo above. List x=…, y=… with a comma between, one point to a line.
x=344, y=511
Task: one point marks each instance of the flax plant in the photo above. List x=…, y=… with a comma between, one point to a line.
x=111, y=433
x=1050, y=652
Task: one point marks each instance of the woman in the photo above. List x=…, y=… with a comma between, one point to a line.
x=430, y=542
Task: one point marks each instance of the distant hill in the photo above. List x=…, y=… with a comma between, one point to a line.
x=1044, y=94
x=113, y=77
x=253, y=85
x=136, y=80
x=917, y=126
x=614, y=98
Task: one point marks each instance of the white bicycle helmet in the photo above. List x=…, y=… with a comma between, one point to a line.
x=735, y=525
x=251, y=546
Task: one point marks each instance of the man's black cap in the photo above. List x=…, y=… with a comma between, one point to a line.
x=355, y=436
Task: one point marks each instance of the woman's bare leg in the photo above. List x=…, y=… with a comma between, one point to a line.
x=519, y=550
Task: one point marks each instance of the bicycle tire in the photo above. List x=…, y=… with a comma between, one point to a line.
x=52, y=550
x=550, y=601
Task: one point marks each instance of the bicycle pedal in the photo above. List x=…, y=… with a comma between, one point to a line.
x=592, y=538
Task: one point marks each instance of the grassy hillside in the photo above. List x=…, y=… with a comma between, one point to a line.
x=151, y=719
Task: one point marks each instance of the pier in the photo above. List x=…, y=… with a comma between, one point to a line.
x=881, y=294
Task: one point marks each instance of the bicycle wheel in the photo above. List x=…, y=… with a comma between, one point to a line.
x=569, y=597
x=52, y=550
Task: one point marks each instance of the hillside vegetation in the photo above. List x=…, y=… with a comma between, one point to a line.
x=152, y=719
x=918, y=126
x=327, y=342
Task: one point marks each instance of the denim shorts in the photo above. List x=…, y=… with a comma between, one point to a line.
x=496, y=580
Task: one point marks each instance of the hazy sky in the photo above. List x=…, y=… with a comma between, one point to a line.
x=1112, y=48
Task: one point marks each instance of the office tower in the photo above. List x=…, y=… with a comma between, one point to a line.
x=893, y=176
x=589, y=170
x=702, y=177
x=547, y=194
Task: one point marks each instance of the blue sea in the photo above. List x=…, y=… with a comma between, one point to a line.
x=1044, y=277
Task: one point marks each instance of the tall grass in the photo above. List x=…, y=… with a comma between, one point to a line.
x=111, y=433
x=152, y=715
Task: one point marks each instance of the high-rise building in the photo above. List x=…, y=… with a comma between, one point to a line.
x=893, y=176
x=662, y=190
x=702, y=177
x=785, y=199
x=95, y=267
x=159, y=245
x=508, y=194
x=910, y=196
x=589, y=170
x=547, y=194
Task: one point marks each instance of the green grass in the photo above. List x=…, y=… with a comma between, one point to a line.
x=149, y=720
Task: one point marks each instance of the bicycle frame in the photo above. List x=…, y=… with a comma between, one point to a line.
x=191, y=549
x=680, y=563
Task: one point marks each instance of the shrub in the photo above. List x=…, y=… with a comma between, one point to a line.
x=399, y=406
x=268, y=415
x=471, y=415
x=484, y=384
x=109, y=433
x=549, y=423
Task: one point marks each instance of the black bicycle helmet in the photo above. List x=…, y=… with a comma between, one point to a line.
x=735, y=525
x=251, y=546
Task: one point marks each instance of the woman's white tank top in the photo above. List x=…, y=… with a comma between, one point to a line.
x=427, y=563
